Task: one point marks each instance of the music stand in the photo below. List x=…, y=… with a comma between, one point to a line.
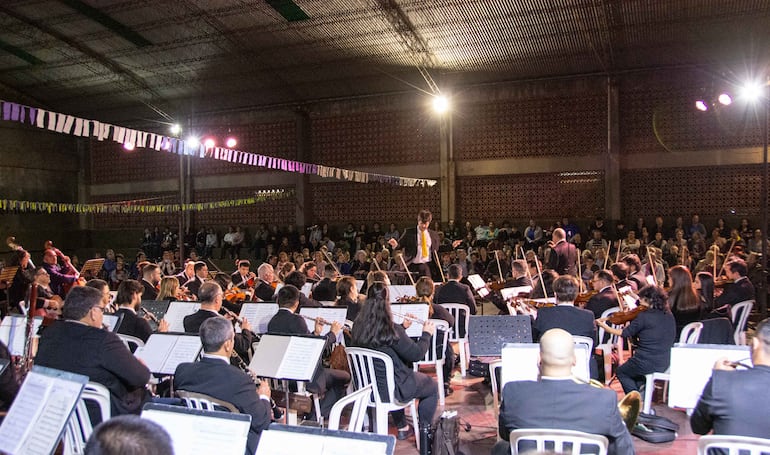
x=317, y=441
x=7, y=273
x=488, y=334
x=92, y=266
x=157, y=308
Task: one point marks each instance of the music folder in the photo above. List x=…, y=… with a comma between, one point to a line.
x=177, y=310
x=290, y=440
x=163, y=352
x=195, y=431
x=287, y=357
x=36, y=420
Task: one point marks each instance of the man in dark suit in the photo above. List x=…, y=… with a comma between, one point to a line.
x=517, y=279
x=328, y=383
x=326, y=289
x=419, y=245
x=201, y=276
x=740, y=289
x=265, y=291
x=605, y=298
x=243, y=275
x=564, y=315
x=210, y=296
x=129, y=299
x=735, y=402
x=455, y=292
x=214, y=376
x=150, y=279
x=557, y=401
x=563, y=256
x=298, y=280
x=78, y=344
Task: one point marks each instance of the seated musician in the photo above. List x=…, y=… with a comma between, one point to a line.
x=265, y=289
x=78, y=344
x=61, y=276
x=455, y=292
x=740, y=289
x=9, y=382
x=605, y=297
x=310, y=270
x=735, y=402
x=424, y=290
x=620, y=271
x=347, y=289
x=48, y=304
x=298, y=280
x=210, y=296
x=201, y=276
x=564, y=315
x=214, y=376
x=654, y=330
x=557, y=401
x=188, y=273
x=329, y=384
x=150, y=281
x=129, y=299
x=129, y=434
x=326, y=289
x=518, y=279
x=542, y=287
x=243, y=278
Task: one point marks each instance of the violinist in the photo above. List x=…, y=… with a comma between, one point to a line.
x=620, y=273
x=201, y=276
x=298, y=280
x=564, y=315
x=683, y=300
x=310, y=270
x=188, y=273
x=347, y=289
x=704, y=289
x=265, y=287
x=605, y=297
x=61, y=275
x=244, y=278
x=326, y=289
x=129, y=299
x=150, y=281
x=654, y=331
x=170, y=289
x=740, y=289
x=455, y=292
x=518, y=278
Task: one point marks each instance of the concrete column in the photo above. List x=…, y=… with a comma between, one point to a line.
x=83, y=146
x=448, y=170
x=304, y=212
x=612, y=156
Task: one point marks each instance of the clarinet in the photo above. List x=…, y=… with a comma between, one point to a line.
x=241, y=364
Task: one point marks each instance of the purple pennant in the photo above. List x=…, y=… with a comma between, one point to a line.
x=7, y=110
x=32, y=115
x=15, y=112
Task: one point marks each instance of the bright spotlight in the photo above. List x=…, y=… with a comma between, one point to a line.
x=128, y=146
x=440, y=104
x=701, y=105
x=193, y=141
x=725, y=99
x=231, y=142
x=175, y=129
x=751, y=91
x=209, y=142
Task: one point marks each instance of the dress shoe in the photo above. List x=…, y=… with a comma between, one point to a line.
x=403, y=434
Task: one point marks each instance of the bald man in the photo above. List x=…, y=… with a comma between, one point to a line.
x=557, y=401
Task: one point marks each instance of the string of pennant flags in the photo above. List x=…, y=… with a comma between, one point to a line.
x=134, y=207
x=69, y=124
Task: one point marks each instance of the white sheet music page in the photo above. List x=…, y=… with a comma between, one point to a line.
x=418, y=310
x=329, y=314
x=301, y=358
x=155, y=351
x=191, y=434
x=185, y=349
x=12, y=332
x=258, y=315
x=177, y=312
x=268, y=355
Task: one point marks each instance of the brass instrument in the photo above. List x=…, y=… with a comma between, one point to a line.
x=630, y=406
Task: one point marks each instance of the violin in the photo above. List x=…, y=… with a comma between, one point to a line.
x=582, y=299
x=621, y=317
x=235, y=295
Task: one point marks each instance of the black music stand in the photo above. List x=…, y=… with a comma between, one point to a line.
x=488, y=334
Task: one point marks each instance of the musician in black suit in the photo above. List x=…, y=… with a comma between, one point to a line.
x=518, y=279
x=557, y=401
x=326, y=289
x=214, y=376
x=328, y=383
x=347, y=289
x=265, y=290
x=419, y=245
x=455, y=292
x=201, y=276
x=605, y=297
x=653, y=332
x=241, y=277
x=210, y=296
x=78, y=344
x=563, y=256
x=740, y=289
x=129, y=299
x=150, y=280
x=298, y=280
x=564, y=315
x=735, y=402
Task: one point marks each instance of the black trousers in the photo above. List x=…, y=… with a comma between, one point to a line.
x=427, y=397
x=329, y=384
x=631, y=374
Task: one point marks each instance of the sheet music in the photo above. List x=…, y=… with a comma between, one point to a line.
x=307, y=288
x=329, y=314
x=419, y=310
x=163, y=353
x=359, y=285
x=110, y=320
x=476, y=281
x=278, y=442
x=176, y=313
x=41, y=409
x=507, y=293
x=286, y=357
x=202, y=434
x=12, y=332
x=258, y=315
x=398, y=291
x=521, y=362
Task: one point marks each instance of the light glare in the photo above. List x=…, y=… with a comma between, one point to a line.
x=175, y=129
x=751, y=91
x=128, y=146
x=725, y=99
x=701, y=105
x=209, y=142
x=193, y=141
x=231, y=142
x=440, y=104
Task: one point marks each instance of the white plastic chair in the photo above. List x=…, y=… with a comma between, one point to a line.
x=690, y=335
x=739, y=313
x=435, y=355
x=77, y=430
x=613, y=341
x=587, y=344
x=733, y=445
x=495, y=371
x=128, y=340
x=460, y=312
x=559, y=438
x=359, y=400
x=101, y=395
x=363, y=373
